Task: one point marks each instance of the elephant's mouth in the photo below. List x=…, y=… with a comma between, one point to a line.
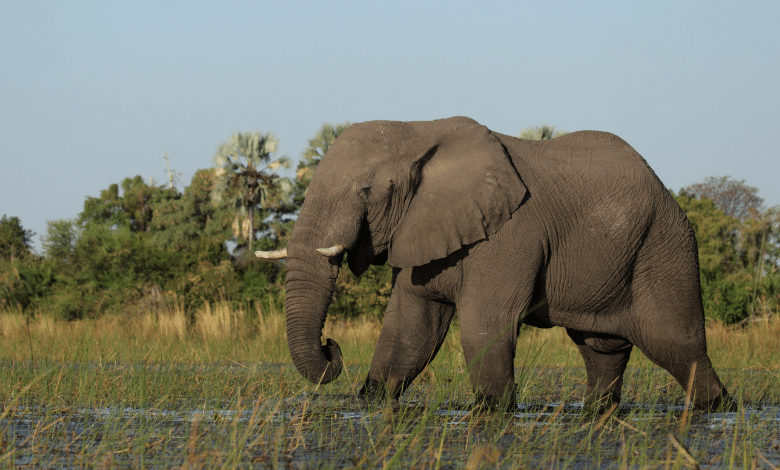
x=364, y=252
x=380, y=259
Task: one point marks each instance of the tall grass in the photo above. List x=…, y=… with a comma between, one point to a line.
x=221, y=332
x=215, y=388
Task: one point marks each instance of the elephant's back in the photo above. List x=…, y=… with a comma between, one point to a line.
x=597, y=158
x=588, y=160
x=589, y=177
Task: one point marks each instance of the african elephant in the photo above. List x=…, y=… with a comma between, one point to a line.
x=575, y=231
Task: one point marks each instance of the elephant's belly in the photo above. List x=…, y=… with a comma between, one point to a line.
x=591, y=273
x=539, y=317
x=580, y=300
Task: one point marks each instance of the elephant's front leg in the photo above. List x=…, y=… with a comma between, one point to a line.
x=413, y=330
x=489, y=348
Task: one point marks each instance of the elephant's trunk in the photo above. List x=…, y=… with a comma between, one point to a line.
x=310, y=283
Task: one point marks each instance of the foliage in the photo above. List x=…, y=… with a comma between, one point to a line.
x=15, y=241
x=192, y=222
x=140, y=245
x=132, y=208
x=544, y=132
x=119, y=252
x=733, y=197
x=366, y=295
x=23, y=282
x=59, y=242
x=738, y=260
x=245, y=175
x=716, y=235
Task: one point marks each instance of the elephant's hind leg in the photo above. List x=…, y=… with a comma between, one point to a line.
x=673, y=337
x=605, y=358
x=691, y=367
x=668, y=326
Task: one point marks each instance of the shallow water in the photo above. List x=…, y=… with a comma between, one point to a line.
x=126, y=436
x=330, y=430
x=571, y=411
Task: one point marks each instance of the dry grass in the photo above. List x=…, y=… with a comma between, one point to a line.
x=211, y=333
x=253, y=334
x=755, y=346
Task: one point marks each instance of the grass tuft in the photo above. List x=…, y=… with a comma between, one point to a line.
x=215, y=387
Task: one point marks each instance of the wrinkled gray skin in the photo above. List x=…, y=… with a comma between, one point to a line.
x=575, y=232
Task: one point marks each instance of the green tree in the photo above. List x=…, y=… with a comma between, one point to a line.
x=760, y=241
x=366, y=295
x=60, y=240
x=544, y=132
x=15, y=241
x=724, y=292
x=311, y=156
x=760, y=254
x=191, y=222
x=103, y=260
x=738, y=259
x=246, y=177
x=733, y=197
x=23, y=282
x=716, y=235
x=129, y=208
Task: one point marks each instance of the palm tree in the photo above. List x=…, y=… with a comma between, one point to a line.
x=544, y=132
x=245, y=174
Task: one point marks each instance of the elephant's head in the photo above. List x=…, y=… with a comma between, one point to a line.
x=405, y=192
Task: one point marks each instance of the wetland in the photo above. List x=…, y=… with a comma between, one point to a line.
x=112, y=394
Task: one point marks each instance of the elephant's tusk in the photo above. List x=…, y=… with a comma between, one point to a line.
x=335, y=250
x=278, y=254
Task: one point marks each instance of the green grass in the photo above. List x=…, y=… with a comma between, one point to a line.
x=162, y=391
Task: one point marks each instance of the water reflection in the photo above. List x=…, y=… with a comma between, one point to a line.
x=26, y=416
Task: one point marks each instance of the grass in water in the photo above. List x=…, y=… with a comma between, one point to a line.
x=216, y=388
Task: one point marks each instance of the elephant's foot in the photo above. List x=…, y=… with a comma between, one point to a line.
x=506, y=402
x=607, y=404
x=700, y=380
x=721, y=404
x=374, y=390
x=601, y=400
x=503, y=403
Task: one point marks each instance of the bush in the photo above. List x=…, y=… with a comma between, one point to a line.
x=207, y=283
x=727, y=300
x=738, y=260
x=24, y=282
x=367, y=295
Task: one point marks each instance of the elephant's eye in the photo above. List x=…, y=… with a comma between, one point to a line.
x=364, y=193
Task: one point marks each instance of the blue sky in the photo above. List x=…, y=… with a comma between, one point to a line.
x=93, y=92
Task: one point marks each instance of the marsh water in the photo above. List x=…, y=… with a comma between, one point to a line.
x=317, y=429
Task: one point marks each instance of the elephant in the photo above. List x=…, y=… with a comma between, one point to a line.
x=575, y=231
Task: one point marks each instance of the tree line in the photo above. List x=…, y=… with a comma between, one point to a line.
x=140, y=246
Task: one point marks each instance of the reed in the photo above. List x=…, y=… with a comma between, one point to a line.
x=251, y=333
x=215, y=387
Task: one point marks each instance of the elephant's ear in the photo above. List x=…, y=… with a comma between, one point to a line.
x=467, y=189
